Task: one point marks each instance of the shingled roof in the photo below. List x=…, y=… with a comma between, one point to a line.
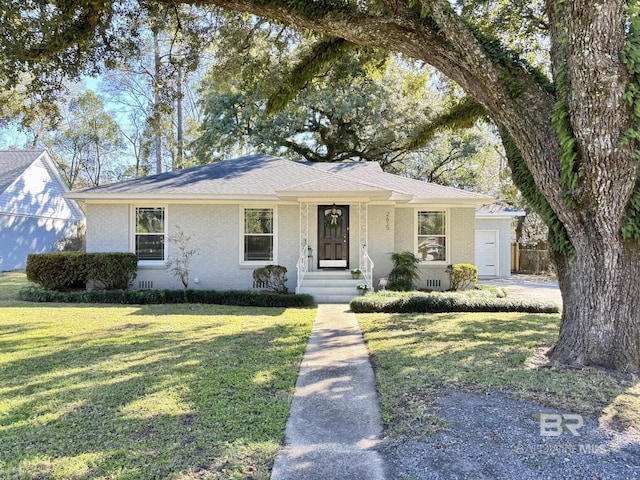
x=495, y=210
x=265, y=177
x=371, y=172
x=31, y=185
x=13, y=163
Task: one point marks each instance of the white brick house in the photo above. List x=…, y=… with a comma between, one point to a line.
x=313, y=218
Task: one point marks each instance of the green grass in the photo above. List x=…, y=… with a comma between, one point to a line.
x=416, y=355
x=139, y=392
x=10, y=284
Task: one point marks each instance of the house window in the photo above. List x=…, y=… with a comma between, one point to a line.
x=432, y=236
x=258, y=235
x=150, y=233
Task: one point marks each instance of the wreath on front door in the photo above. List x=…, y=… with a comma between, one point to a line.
x=333, y=217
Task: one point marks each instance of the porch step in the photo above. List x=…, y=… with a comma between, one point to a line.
x=330, y=286
x=346, y=299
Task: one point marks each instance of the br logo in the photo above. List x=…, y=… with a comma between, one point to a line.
x=552, y=425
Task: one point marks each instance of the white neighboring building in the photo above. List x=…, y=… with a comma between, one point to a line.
x=493, y=239
x=34, y=214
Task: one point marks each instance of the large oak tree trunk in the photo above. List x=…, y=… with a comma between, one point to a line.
x=601, y=305
x=600, y=279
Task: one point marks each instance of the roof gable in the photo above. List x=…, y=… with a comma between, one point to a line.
x=13, y=163
x=31, y=185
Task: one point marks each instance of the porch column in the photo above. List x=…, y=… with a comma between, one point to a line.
x=304, y=228
x=363, y=231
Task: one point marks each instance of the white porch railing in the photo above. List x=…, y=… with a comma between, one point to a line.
x=302, y=266
x=366, y=265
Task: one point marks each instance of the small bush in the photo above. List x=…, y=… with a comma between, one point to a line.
x=180, y=263
x=462, y=276
x=437, y=302
x=69, y=270
x=405, y=272
x=273, y=277
x=42, y=295
x=496, y=291
x=147, y=297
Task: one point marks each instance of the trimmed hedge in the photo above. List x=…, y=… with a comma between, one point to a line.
x=67, y=270
x=57, y=271
x=447, y=302
x=134, y=297
x=112, y=271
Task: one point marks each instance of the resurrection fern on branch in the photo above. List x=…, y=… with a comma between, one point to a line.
x=631, y=59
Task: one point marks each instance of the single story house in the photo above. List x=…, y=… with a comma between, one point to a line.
x=494, y=227
x=34, y=215
x=319, y=220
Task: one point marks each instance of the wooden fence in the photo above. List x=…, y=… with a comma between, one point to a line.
x=524, y=260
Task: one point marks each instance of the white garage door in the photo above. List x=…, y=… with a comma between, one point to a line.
x=487, y=252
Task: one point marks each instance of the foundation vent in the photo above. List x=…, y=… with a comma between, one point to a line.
x=145, y=284
x=432, y=283
x=259, y=284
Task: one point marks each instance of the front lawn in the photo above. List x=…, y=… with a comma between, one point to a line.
x=139, y=392
x=416, y=355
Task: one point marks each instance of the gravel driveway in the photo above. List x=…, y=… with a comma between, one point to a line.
x=528, y=287
x=492, y=436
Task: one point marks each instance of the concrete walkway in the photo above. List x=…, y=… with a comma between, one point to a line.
x=335, y=417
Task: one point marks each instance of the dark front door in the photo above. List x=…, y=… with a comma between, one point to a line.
x=333, y=236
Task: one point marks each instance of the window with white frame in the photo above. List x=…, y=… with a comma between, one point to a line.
x=432, y=236
x=258, y=235
x=150, y=233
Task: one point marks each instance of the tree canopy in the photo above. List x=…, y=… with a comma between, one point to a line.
x=360, y=107
x=87, y=145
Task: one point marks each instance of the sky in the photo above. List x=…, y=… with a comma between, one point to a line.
x=12, y=137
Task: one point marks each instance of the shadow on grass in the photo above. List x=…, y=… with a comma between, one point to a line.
x=141, y=402
x=206, y=310
x=199, y=309
x=415, y=354
x=489, y=328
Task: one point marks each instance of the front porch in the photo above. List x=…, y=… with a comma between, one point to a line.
x=333, y=240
